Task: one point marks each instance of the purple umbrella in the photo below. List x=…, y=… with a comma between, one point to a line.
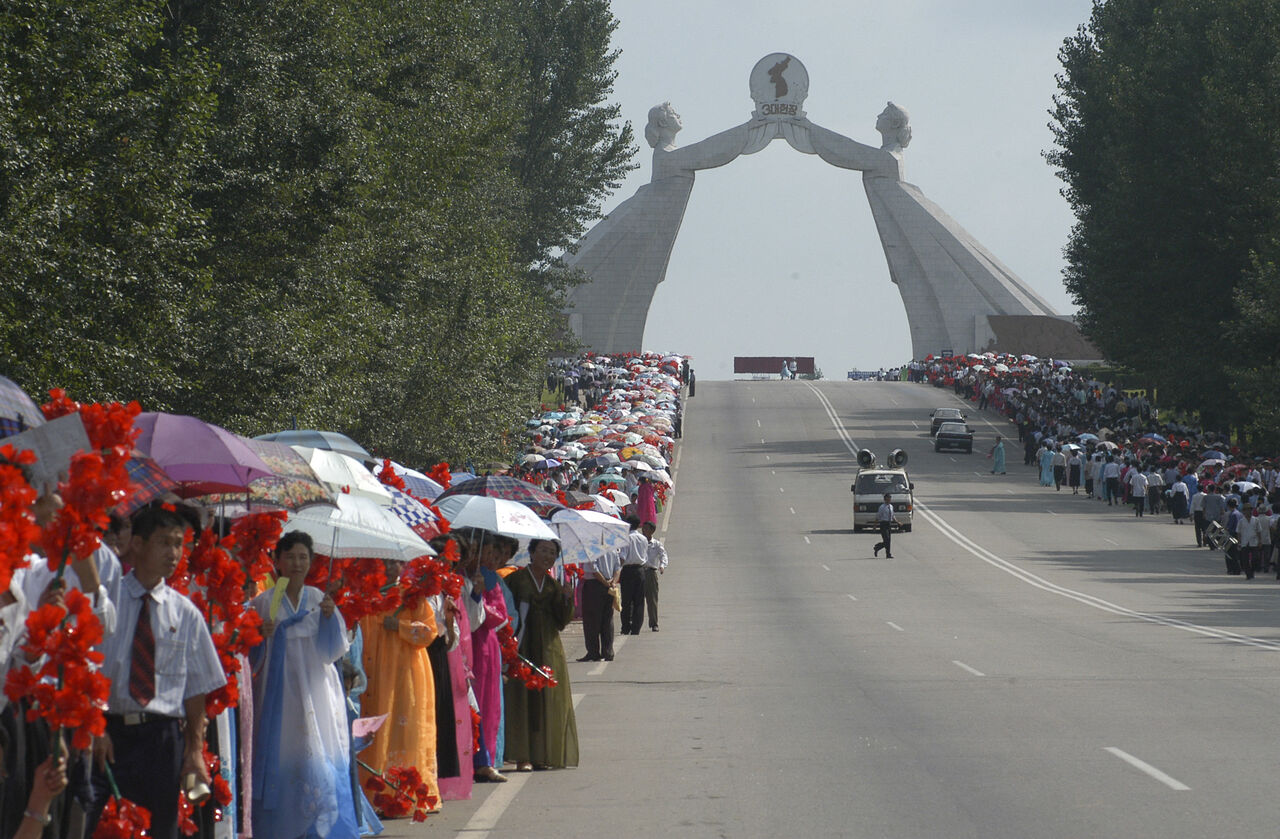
x=201, y=458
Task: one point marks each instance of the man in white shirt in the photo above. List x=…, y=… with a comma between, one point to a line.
x=1138, y=490
x=1249, y=532
x=598, y=583
x=655, y=563
x=886, y=520
x=161, y=662
x=631, y=578
x=1111, y=481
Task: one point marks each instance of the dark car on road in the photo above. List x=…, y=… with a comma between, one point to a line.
x=941, y=415
x=953, y=435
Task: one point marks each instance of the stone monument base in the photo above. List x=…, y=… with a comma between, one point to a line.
x=1047, y=336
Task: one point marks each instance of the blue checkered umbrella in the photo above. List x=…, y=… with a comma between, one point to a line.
x=415, y=514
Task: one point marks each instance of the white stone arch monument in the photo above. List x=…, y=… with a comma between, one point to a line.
x=950, y=284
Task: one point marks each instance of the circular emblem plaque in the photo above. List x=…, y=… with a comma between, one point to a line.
x=779, y=85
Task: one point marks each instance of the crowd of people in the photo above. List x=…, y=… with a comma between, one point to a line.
x=379, y=691
x=1110, y=445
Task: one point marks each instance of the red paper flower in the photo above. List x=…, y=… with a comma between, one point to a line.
x=440, y=474
x=428, y=576
x=400, y=791
x=67, y=690
x=389, y=477
x=17, y=526
x=475, y=731
x=519, y=668
x=122, y=819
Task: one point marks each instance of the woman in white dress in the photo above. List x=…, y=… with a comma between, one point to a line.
x=301, y=780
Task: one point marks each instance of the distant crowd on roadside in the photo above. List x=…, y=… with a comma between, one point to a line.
x=1103, y=443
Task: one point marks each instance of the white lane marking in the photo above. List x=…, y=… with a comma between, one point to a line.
x=851, y=597
x=762, y=441
x=758, y=425
x=1051, y=512
x=916, y=424
x=1080, y=597
x=766, y=457
x=894, y=401
x=1011, y=492
x=1039, y=582
x=826, y=567
x=793, y=510
x=486, y=817
x=967, y=668
x=780, y=489
x=835, y=419
x=1170, y=782
x=773, y=471
x=806, y=541
x=895, y=626
x=577, y=700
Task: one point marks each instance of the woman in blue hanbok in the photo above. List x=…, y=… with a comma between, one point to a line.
x=301, y=753
x=997, y=457
x=1046, y=466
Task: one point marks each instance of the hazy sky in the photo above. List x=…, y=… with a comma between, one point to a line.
x=778, y=253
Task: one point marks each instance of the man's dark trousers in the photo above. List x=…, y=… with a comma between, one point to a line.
x=597, y=619
x=651, y=595
x=886, y=532
x=632, y=599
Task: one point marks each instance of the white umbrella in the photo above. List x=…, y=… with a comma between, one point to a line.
x=586, y=535
x=357, y=527
x=497, y=515
x=339, y=471
x=606, y=506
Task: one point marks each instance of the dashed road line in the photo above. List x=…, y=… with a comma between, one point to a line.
x=1147, y=768
x=895, y=626
x=968, y=669
x=793, y=510
x=826, y=567
x=806, y=541
x=851, y=597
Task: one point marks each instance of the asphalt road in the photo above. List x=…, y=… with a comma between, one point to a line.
x=1030, y=663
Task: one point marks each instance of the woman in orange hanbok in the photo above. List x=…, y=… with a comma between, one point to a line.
x=401, y=685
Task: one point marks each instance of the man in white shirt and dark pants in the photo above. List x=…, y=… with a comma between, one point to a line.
x=598, y=583
x=655, y=563
x=886, y=520
x=162, y=662
x=632, y=578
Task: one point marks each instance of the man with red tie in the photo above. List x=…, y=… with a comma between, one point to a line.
x=161, y=662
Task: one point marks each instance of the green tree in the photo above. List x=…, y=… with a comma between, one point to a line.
x=1165, y=125
x=571, y=152
x=102, y=122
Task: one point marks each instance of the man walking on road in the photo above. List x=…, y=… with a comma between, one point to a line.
x=886, y=520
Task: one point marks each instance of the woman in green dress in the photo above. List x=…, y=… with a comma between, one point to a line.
x=541, y=730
